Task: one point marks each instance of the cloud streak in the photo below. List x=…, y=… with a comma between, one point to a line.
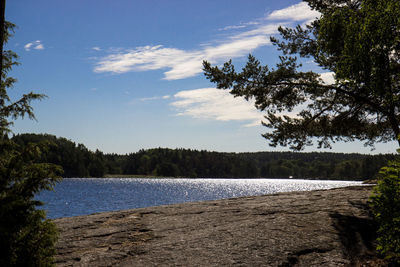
x=216, y=104
x=298, y=12
x=154, y=98
x=180, y=64
x=37, y=45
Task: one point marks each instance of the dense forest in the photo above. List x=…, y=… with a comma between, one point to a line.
x=78, y=161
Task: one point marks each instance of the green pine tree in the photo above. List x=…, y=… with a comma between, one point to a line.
x=27, y=238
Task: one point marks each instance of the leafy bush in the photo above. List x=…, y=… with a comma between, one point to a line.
x=385, y=204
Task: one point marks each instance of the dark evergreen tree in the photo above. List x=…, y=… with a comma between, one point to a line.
x=359, y=42
x=27, y=238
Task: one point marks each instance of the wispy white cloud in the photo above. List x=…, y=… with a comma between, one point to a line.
x=37, y=45
x=240, y=26
x=236, y=48
x=233, y=27
x=298, y=12
x=154, y=98
x=220, y=105
x=96, y=48
x=216, y=104
x=182, y=64
x=152, y=58
x=28, y=46
x=262, y=30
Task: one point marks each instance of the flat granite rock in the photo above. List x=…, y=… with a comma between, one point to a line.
x=316, y=228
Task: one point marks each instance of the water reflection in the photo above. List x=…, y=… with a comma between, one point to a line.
x=80, y=196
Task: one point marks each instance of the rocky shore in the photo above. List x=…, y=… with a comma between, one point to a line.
x=315, y=228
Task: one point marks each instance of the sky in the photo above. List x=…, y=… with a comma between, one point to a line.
x=126, y=75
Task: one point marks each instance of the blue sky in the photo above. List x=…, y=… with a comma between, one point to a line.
x=126, y=74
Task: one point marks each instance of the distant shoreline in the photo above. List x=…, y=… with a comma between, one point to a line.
x=136, y=176
x=78, y=161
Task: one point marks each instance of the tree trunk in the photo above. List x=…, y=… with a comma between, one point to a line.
x=395, y=125
x=2, y=33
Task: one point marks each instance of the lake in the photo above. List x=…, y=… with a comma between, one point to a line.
x=82, y=196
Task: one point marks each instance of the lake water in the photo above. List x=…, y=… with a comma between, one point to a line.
x=81, y=196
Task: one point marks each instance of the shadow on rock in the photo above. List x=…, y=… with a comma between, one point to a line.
x=358, y=236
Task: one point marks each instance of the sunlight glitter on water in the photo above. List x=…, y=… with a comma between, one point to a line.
x=81, y=196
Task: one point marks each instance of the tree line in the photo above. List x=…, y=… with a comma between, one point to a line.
x=78, y=161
